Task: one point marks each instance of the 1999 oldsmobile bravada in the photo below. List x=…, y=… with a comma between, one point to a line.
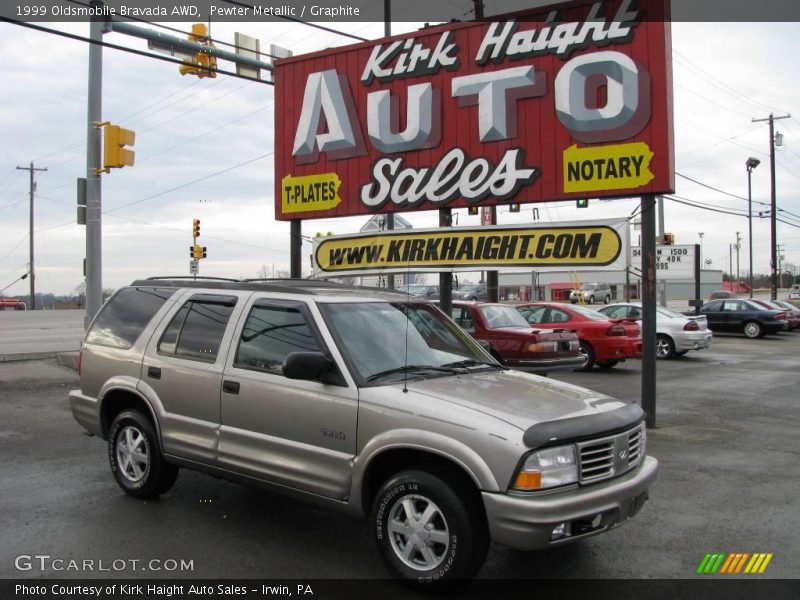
x=363, y=400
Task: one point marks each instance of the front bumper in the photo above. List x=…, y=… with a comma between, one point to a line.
x=527, y=522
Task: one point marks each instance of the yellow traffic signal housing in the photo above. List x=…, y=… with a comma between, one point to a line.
x=669, y=239
x=115, y=153
x=204, y=64
x=197, y=252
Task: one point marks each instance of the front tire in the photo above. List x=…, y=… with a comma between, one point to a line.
x=431, y=528
x=607, y=300
x=665, y=347
x=591, y=299
x=135, y=457
x=753, y=330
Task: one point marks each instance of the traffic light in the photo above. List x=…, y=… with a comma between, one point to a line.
x=513, y=207
x=196, y=228
x=115, y=153
x=473, y=210
x=197, y=252
x=669, y=239
x=203, y=64
x=582, y=203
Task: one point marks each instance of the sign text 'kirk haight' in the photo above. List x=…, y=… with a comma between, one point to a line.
x=549, y=105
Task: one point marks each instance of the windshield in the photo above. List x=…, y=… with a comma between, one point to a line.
x=499, y=315
x=380, y=344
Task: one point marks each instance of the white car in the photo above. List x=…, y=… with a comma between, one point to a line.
x=676, y=334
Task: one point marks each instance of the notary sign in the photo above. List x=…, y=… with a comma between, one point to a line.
x=547, y=105
x=569, y=246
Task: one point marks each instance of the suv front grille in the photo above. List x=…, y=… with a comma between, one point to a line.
x=610, y=456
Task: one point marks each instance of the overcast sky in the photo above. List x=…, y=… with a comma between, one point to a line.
x=188, y=129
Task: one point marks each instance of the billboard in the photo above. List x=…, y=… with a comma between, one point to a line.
x=560, y=103
x=598, y=245
x=672, y=262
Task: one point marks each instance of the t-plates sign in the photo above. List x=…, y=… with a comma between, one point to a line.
x=547, y=105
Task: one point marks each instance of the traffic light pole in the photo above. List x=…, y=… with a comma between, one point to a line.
x=94, y=265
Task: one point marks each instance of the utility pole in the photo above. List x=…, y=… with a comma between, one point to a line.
x=31, y=169
x=773, y=209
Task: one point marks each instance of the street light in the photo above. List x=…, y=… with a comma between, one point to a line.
x=751, y=164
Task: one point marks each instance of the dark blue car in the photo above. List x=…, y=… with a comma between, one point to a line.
x=735, y=315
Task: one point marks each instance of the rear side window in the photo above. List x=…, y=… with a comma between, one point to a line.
x=196, y=330
x=125, y=316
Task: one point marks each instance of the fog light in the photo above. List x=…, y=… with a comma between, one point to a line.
x=559, y=531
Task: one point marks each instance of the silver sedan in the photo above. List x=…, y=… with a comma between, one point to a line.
x=676, y=334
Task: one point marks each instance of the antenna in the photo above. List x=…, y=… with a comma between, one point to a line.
x=408, y=309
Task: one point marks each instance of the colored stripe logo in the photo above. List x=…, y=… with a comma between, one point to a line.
x=734, y=563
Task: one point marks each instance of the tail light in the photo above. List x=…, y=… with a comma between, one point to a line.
x=80, y=361
x=779, y=317
x=616, y=329
x=691, y=326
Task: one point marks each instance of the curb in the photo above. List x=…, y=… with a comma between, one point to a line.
x=65, y=359
x=68, y=359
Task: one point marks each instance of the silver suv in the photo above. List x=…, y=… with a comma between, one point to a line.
x=589, y=293
x=367, y=401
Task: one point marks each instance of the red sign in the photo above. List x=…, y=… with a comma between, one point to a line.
x=542, y=106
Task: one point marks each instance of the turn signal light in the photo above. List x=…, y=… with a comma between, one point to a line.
x=528, y=481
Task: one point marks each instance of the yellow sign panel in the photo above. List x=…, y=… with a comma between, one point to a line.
x=548, y=246
x=310, y=193
x=615, y=167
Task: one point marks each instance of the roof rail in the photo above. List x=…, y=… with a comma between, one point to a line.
x=192, y=277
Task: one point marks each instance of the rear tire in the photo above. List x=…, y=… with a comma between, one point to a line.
x=607, y=300
x=430, y=528
x=588, y=356
x=753, y=330
x=135, y=457
x=665, y=347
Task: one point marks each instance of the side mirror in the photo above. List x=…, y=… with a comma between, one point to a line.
x=311, y=366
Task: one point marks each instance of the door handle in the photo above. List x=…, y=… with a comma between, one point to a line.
x=230, y=387
x=154, y=372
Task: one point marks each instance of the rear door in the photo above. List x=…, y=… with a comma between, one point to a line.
x=298, y=434
x=182, y=368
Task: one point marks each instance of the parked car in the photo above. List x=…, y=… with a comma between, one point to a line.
x=676, y=334
x=792, y=319
x=471, y=291
x=794, y=292
x=512, y=341
x=422, y=290
x=591, y=293
x=738, y=315
x=360, y=400
x=603, y=341
x=791, y=310
x=721, y=294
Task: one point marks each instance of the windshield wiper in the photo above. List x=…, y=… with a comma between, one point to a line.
x=415, y=368
x=470, y=362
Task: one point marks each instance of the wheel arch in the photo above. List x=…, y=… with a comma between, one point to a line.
x=118, y=399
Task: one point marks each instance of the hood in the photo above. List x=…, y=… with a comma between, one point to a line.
x=520, y=399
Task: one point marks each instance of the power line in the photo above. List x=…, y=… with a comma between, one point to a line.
x=160, y=57
x=188, y=183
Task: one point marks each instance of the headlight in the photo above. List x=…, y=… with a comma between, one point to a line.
x=548, y=468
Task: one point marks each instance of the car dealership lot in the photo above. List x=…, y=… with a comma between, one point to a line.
x=726, y=439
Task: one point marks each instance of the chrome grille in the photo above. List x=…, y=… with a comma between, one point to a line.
x=610, y=456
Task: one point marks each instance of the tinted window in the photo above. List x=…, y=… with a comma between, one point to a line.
x=272, y=332
x=125, y=316
x=534, y=314
x=712, y=306
x=196, y=330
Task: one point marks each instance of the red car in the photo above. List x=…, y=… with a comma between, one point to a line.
x=792, y=322
x=512, y=341
x=603, y=341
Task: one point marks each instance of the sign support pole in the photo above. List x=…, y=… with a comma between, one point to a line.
x=649, y=309
x=697, y=282
x=295, y=248
x=445, y=278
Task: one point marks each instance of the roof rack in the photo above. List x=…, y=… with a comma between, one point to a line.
x=192, y=277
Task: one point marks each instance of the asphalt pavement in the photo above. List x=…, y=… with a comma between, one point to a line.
x=726, y=438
